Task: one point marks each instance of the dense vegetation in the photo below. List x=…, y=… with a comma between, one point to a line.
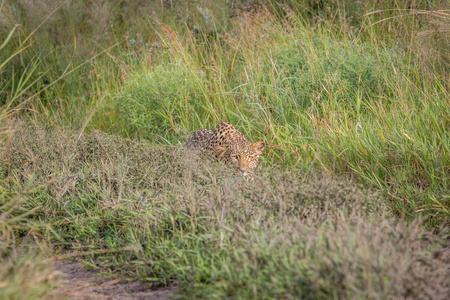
x=352, y=196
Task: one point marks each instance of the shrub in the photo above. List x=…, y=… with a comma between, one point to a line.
x=153, y=103
x=321, y=69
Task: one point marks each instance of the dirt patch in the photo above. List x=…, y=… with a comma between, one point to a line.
x=81, y=284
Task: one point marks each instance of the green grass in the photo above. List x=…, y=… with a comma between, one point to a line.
x=334, y=102
x=162, y=215
x=26, y=271
x=351, y=99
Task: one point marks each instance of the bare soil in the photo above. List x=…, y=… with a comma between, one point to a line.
x=80, y=284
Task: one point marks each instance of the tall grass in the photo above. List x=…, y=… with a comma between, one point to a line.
x=25, y=273
x=344, y=93
x=322, y=99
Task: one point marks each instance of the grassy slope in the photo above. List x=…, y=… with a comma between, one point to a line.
x=328, y=91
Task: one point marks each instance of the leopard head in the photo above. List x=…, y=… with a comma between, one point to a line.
x=243, y=157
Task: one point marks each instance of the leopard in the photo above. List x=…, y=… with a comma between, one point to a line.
x=229, y=145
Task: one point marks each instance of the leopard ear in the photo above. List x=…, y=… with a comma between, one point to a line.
x=259, y=146
x=219, y=151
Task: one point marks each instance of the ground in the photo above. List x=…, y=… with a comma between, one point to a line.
x=78, y=283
